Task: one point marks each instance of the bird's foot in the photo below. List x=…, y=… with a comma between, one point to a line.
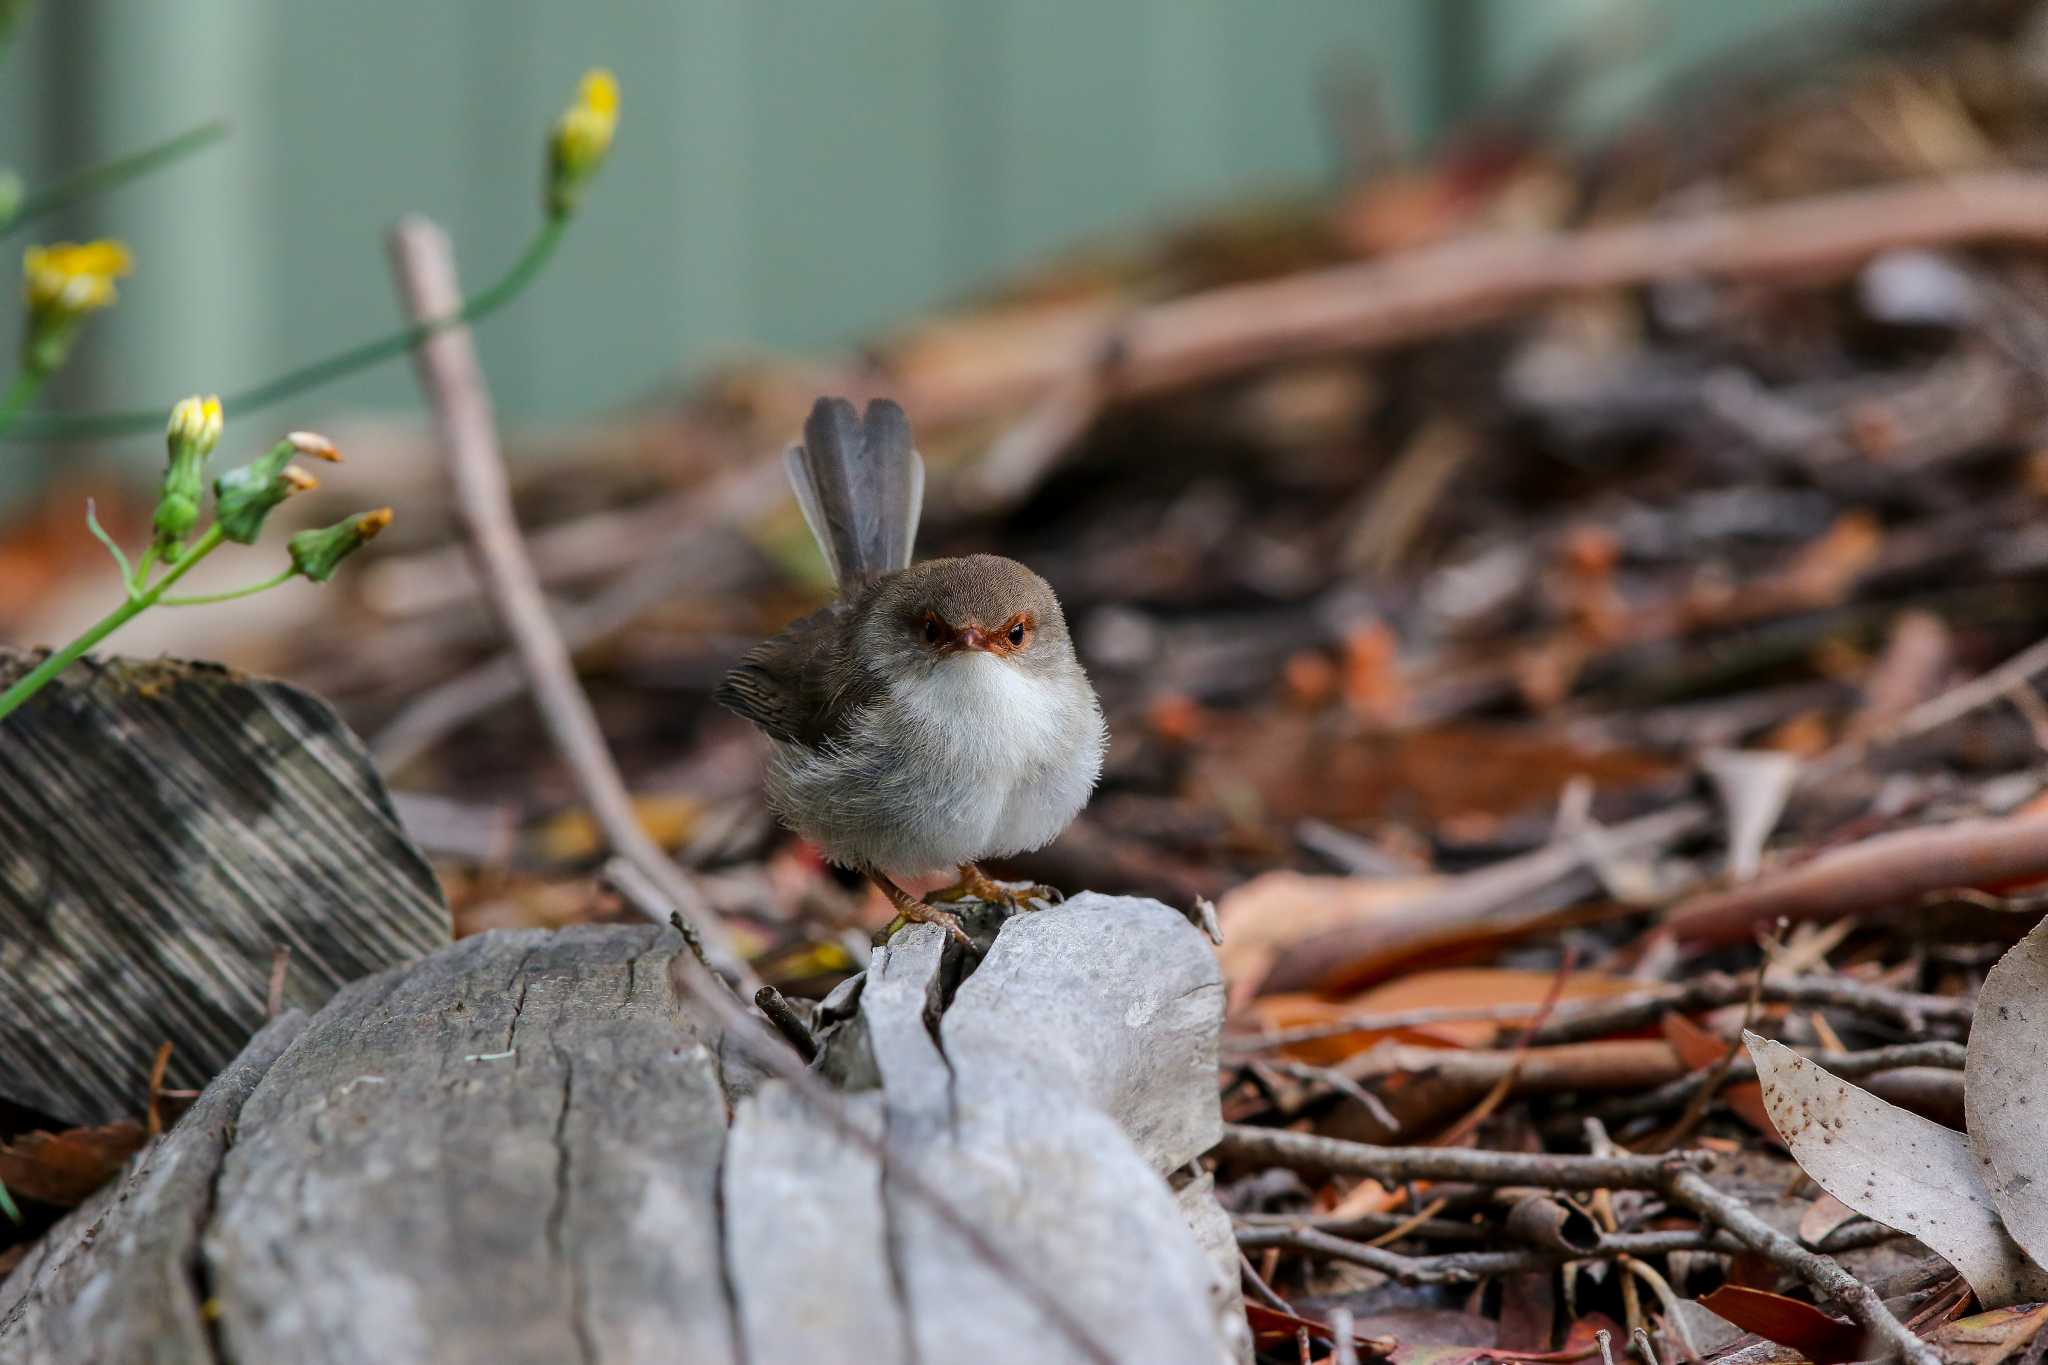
x=974, y=884
x=909, y=909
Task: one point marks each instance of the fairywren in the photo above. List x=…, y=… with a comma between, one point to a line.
x=934, y=714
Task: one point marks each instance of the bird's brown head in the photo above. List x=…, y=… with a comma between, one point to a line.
x=947, y=609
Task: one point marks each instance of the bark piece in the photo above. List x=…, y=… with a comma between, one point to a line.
x=507, y=1154
x=164, y=828
x=517, y=1151
x=121, y=1278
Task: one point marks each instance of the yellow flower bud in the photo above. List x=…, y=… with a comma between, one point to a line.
x=582, y=137
x=196, y=422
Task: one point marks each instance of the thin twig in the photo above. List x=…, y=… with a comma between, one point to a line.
x=1822, y=1273
x=1465, y=1267
x=771, y=1003
x=453, y=379
x=1946, y=1056
x=1675, y=1174
x=1392, y=1165
x=1933, y=713
x=1505, y=1086
x=1583, y=1021
x=1265, y=1292
x=694, y=976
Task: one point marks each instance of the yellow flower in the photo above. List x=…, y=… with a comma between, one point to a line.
x=71, y=278
x=582, y=137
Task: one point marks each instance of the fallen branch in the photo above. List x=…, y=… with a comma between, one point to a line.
x=1944, y=1055
x=1463, y=1267
x=1888, y=872
x=1822, y=1273
x=1393, y=1165
x=453, y=379
x=1676, y=1175
x=1588, y=1020
x=1449, y=286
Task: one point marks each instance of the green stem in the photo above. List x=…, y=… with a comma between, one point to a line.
x=63, y=426
x=120, y=616
x=203, y=599
x=94, y=179
x=19, y=395
x=7, y=1206
x=140, y=579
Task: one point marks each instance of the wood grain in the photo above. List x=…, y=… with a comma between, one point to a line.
x=164, y=827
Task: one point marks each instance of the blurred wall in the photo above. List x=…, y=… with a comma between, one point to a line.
x=787, y=174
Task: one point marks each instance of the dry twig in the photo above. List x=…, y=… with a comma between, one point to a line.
x=453, y=379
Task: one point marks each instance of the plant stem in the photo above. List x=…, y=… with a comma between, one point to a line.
x=203, y=599
x=19, y=395
x=62, y=426
x=92, y=180
x=120, y=616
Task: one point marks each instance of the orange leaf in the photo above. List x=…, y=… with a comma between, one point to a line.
x=1699, y=1050
x=65, y=1168
x=1821, y=1338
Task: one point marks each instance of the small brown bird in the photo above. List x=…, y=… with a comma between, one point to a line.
x=934, y=714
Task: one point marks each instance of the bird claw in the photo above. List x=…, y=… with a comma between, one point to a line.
x=926, y=914
x=979, y=886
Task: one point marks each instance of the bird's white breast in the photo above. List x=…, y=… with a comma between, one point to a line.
x=975, y=759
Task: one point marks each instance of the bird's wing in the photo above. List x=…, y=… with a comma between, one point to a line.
x=799, y=686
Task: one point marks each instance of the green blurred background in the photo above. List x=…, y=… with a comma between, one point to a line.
x=786, y=175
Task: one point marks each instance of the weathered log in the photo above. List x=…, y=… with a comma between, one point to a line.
x=518, y=1150
x=165, y=828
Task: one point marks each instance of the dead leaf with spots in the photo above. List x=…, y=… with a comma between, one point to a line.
x=1889, y=1164
x=2002, y=1096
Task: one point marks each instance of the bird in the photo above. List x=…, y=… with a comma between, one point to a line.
x=934, y=714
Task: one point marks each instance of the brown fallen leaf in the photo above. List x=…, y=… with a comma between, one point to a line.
x=1991, y=1338
x=66, y=1168
x=1820, y=1337
x=1272, y=912
x=1701, y=1050
x=1458, y=988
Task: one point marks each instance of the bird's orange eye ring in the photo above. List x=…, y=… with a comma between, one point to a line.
x=1019, y=630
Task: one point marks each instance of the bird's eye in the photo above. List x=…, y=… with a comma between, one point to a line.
x=931, y=630
x=1017, y=634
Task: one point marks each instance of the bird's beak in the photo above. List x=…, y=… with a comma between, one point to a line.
x=973, y=637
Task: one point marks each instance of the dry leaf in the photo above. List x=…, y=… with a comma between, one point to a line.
x=1886, y=1163
x=65, y=1168
x=1991, y=1338
x=1451, y=988
x=2002, y=1097
x=1820, y=1337
x=1753, y=785
x=1276, y=910
x=1701, y=1051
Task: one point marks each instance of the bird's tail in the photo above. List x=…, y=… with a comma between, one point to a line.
x=861, y=486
